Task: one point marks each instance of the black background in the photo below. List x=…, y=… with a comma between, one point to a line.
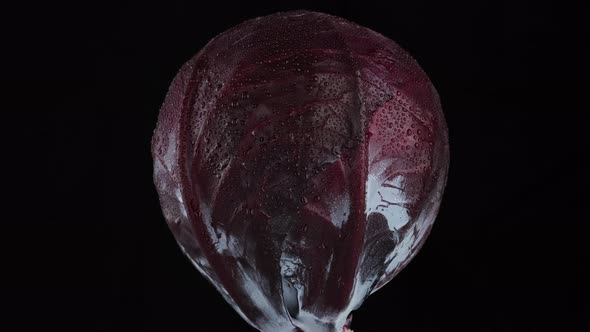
x=89, y=249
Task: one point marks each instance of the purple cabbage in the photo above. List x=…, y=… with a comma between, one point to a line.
x=300, y=161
